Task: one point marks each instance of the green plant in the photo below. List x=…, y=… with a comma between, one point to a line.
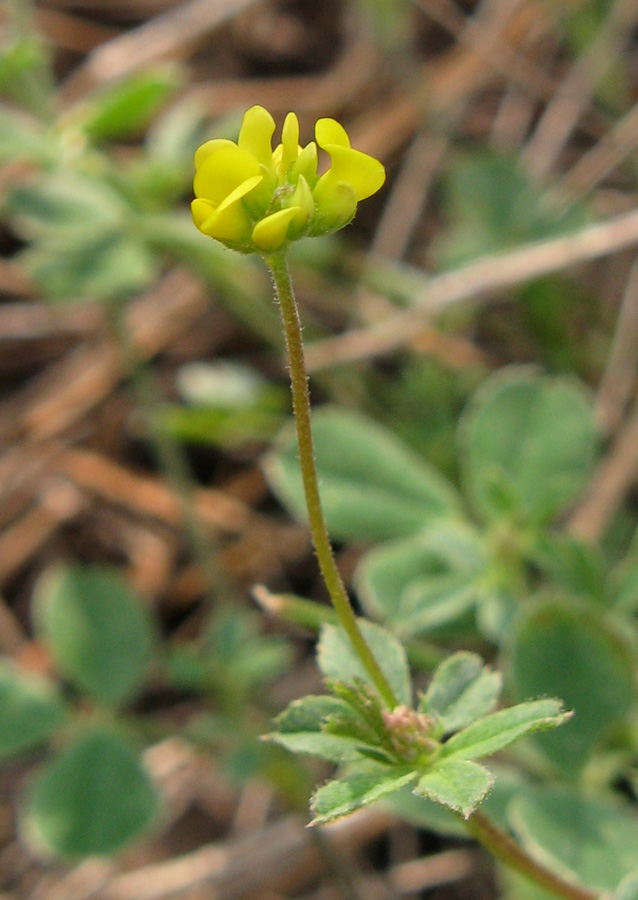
x=368, y=721
x=492, y=564
x=93, y=794
x=488, y=565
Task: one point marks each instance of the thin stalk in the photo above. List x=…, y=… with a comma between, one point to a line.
x=497, y=842
x=301, y=407
x=507, y=851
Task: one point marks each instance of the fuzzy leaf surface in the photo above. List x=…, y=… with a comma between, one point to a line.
x=462, y=690
x=299, y=729
x=339, y=662
x=345, y=795
x=456, y=783
x=628, y=887
x=578, y=655
x=373, y=487
x=528, y=443
x=423, y=581
x=97, y=629
x=584, y=839
x=499, y=730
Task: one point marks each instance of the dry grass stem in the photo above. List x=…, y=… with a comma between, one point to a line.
x=486, y=275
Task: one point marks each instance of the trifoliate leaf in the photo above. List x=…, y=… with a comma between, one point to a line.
x=345, y=795
x=299, y=729
x=502, y=728
x=339, y=662
x=457, y=783
x=462, y=690
x=30, y=710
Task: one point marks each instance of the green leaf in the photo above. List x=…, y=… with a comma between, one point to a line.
x=492, y=205
x=31, y=709
x=92, y=799
x=571, y=565
x=85, y=242
x=372, y=486
x=299, y=729
x=66, y=209
x=462, y=690
x=502, y=728
x=583, y=839
x=431, y=815
x=425, y=581
x=530, y=439
x=176, y=133
x=345, y=795
x=97, y=629
x=424, y=813
x=219, y=427
x=339, y=662
x=22, y=138
x=113, y=268
x=628, y=887
x=124, y=108
x=623, y=581
x=577, y=655
x=457, y=783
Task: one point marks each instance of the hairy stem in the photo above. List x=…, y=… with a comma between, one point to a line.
x=301, y=406
x=507, y=851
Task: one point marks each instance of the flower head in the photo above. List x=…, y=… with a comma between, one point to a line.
x=256, y=199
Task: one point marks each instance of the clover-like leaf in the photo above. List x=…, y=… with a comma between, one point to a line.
x=423, y=581
x=586, y=839
x=457, y=783
x=300, y=728
x=499, y=730
x=528, y=445
x=92, y=799
x=372, y=485
x=462, y=690
x=580, y=656
x=30, y=710
x=345, y=795
x=628, y=887
x=339, y=662
x=97, y=629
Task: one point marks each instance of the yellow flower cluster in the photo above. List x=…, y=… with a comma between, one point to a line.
x=256, y=200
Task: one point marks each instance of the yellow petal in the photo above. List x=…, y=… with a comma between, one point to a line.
x=363, y=173
x=335, y=208
x=306, y=165
x=223, y=171
x=230, y=221
x=256, y=133
x=201, y=210
x=289, y=144
x=244, y=188
x=208, y=148
x=329, y=131
x=271, y=233
x=276, y=156
x=230, y=224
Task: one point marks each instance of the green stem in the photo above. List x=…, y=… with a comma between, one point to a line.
x=497, y=842
x=507, y=851
x=301, y=407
